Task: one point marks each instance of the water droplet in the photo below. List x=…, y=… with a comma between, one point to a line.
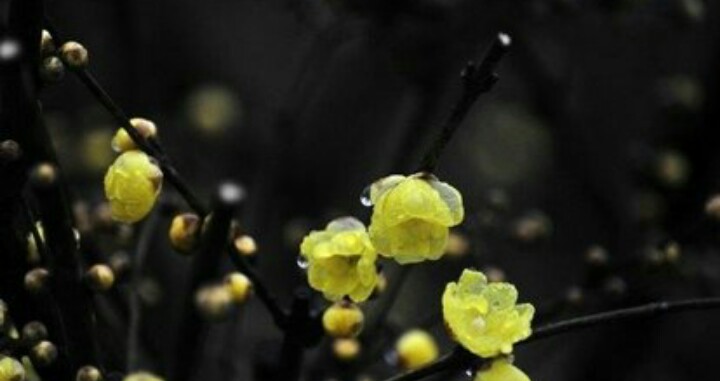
x=391, y=357
x=365, y=197
x=470, y=372
x=302, y=262
x=479, y=323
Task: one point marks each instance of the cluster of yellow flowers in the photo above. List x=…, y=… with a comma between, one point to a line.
x=133, y=181
x=410, y=224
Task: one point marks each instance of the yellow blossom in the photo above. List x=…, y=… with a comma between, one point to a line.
x=341, y=260
x=132, y=185
x=412, y=216
x=416, y=349
x=11, y=369
x=501, y=370
x=483, y=317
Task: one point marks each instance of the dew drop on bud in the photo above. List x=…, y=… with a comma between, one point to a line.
x=365, y=197
x=302, y=262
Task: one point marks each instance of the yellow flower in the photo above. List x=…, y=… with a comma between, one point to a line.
x=341, y=260
x=132, y=185
x=412, y=216
x=416, y=349
x=501, y=370
x=11, y=370
x=483, y=317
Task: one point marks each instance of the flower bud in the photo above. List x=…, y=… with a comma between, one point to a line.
x=44, y=174
x=100, y=277
x=9, y=151
x=415, y=349
x=74, y=55
x=246, y=245
x=239, y=287
x=47, y=45
x=11, y=369
x=52, y=69
x=346, y=349
x=36, y=280
x=142, y=376
x=88, y=373
x=184, y=232
x=213, y=302
x=343, y=320
x=122, y=141
x=43, y=353
x=34, y=332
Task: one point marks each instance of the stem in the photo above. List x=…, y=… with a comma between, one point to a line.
x=386, y=302
x=477, y=80
x=292, y=351
x=458, y=358
x=280, y=317
x=204, y=269
x=633, y=313
x=73, y=298
x=150, y=146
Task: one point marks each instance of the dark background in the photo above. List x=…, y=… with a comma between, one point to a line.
x=603, y=129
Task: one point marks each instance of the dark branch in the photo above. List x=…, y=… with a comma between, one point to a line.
x=459, y=358
x=150, y=146
x=477, y=80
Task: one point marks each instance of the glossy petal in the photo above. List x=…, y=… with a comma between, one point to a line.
x=412, y=216
x=132, y=184
x=341, y=260
x=484, y=318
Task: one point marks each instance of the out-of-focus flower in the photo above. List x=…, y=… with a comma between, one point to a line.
x=239, y=287
x=484, y=317
x=11, y=370
x=346, y=349
x=132, y=185
x=184, y=232
x=501, y=370
x=412, y=216
x=416, y=349
x=341, y=260
x=142, y=376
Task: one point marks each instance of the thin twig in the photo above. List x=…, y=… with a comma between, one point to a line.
x=459, y=360
x=477, y=80
x=633, y=313
x=150, y=146
x=279, y=316
x=204, y=269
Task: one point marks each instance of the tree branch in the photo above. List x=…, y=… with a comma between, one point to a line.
x=459, y=358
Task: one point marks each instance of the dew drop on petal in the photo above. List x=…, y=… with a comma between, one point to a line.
x=365, y=197
x=302, y=262
x=479, y=323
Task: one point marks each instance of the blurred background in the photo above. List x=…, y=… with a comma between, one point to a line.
x=585, y=172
